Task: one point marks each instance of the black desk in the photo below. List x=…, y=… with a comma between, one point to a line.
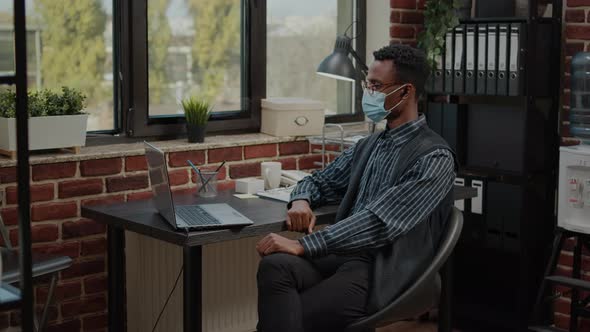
x=141, y=217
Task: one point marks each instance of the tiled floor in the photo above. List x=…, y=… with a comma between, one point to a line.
x=410, y=327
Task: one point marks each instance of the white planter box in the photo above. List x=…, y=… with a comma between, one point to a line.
x=46, y=132
x=292, y=117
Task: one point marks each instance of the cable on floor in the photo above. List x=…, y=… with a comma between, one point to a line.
x=168, y=299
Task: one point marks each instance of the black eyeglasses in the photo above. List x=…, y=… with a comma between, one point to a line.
x=371, y=87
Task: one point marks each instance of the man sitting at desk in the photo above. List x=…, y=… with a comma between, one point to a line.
x=395, y=195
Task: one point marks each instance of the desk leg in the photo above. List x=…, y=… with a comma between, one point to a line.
x=116, y=258
x=192, y=289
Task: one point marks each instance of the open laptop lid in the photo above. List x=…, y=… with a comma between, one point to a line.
x=158, y=172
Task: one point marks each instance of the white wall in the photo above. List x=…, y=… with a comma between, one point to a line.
x=378, y=12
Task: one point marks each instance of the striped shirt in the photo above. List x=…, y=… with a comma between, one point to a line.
x=384, y=209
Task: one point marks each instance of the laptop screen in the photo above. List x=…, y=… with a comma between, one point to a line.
x=160, y=186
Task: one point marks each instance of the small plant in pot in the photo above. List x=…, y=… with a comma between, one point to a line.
x=196, y=112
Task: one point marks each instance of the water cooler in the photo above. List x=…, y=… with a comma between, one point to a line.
x=574, y=162
x=574, y=189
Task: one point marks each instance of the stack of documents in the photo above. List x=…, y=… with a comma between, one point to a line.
x=280, y=194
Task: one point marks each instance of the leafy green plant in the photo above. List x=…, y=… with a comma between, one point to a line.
x=35, y=104
x=44, y=103
x=196, y=110
x=439, y=16
x=7, y=103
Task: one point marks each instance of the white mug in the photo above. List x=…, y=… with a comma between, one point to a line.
x=271, y=173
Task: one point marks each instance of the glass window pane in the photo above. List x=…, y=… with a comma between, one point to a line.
x=7, y=64
x=300, y=34
x=69, y=43
x=194, y=50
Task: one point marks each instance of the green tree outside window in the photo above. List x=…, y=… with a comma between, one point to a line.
x=73, y=51
x=159, y=37
x=217, y=42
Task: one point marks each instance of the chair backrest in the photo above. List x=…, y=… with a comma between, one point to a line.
x=421, y=295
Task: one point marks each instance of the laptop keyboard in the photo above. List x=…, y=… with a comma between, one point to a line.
x=196, y=216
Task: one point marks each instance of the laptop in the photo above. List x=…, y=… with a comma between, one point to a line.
x=186, y=217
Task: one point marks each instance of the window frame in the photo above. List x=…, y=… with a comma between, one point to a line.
x=360, y=46
x=136, y=117
x=130, y=51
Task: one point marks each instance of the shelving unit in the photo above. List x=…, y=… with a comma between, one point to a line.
x=510, y=144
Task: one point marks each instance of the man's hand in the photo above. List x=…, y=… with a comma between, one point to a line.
x=300, y=217
x=275, y=243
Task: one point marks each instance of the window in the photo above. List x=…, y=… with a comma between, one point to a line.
x=136, y=59
x=68, y=44
x=234, y=52
x=300, y=34
x=194, y=49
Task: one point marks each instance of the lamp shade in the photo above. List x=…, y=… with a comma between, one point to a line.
x=338, y=65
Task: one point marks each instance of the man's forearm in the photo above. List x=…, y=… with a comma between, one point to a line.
x=305, y=190
x=327, y=185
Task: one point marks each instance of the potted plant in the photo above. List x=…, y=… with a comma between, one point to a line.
x=196, y=112
x=439, y=17
x=56, y=120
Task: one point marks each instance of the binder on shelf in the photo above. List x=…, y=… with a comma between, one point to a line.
x=470, y=60
x=502, y=87
x=438, y=76
x=492, y=54
x=474, y=229
x=460, y=204
x=448, y=87
x=477, y=202
x=515, y=86
x=482, y=37
x=459, y=61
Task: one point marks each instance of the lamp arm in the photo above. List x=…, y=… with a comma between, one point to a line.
x=359, y=61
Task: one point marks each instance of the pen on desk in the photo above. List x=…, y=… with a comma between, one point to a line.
x=217, y=170
x=220, y=166
x=196, y=171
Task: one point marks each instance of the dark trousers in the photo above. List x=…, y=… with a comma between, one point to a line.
x=326, y=294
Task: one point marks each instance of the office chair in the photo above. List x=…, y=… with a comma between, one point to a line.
x=431, y=288
x=43, y=265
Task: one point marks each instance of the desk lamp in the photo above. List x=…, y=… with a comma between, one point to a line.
x=339, y=66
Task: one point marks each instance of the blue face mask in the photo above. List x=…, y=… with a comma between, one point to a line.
x=374, y=104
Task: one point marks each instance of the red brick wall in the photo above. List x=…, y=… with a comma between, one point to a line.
x=58, y=191
x=407, y=20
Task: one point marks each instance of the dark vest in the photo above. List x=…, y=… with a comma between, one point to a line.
x=397, y=265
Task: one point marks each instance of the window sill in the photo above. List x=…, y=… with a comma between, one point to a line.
x=136, y=148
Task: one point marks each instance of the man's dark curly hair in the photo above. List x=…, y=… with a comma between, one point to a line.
x=410, y=64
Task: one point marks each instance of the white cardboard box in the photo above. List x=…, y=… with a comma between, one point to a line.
x=292, y=117
x=249, y=185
